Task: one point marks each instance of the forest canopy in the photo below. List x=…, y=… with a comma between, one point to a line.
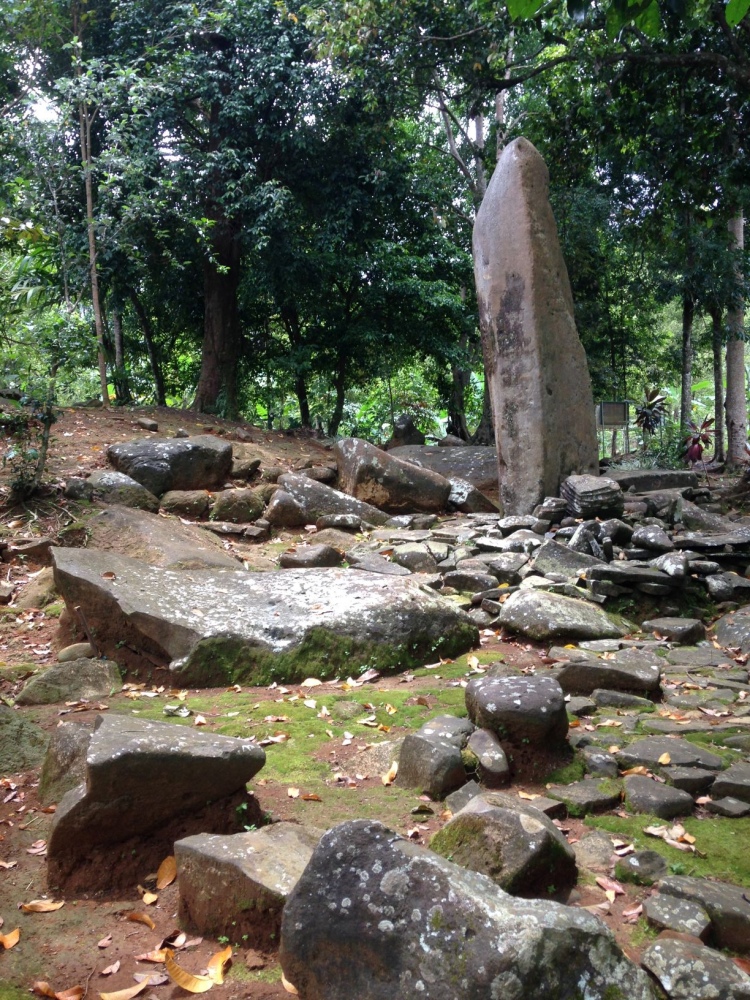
x=264, y=209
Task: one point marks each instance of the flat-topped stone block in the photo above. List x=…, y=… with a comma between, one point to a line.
x=237, y=884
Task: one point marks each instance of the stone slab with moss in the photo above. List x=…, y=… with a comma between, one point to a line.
x=220, y=626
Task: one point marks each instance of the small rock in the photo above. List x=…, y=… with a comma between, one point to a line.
x=77, y=651
x=642, y=867
x=672, y=914
x=185, y=503
x=492, y=762
x=519, y=709
x=147, y=425
x=72, y=680
x=644, y=795
x=306, y=556
x=588, y=796
x=693, y=972
x=730, y=807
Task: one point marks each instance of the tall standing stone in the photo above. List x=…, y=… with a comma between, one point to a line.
x=536, y=367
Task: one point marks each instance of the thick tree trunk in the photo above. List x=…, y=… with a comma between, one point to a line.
x=735, y=403
x=221, y=328
x=485, y=432
x=686, y=393
x=717, y=340
x=153, y=354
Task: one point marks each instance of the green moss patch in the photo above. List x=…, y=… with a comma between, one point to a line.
x=321, y=654
x=723, y=841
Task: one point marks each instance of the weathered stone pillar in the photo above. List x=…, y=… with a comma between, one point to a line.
x=536, y=366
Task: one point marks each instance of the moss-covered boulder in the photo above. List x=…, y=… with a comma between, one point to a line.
x=220, y=626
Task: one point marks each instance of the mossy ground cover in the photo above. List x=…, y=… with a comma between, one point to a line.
x=723, y=842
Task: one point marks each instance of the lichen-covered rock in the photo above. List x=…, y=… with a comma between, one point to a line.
x=239, y=506
x=218, y=626
x=518, y=709
x=82, y=679
x=118, y=488
x=64, y=764
x=376, y=477
x=185, y=503
x=22, y=743
x=513, y=843
x=161, y=464
x=691, y=971
x=376, y=917
x=544, y=616
x=727, y=905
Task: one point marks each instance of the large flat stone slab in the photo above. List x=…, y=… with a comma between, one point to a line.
x=302, y=500
x=625, y=671
x=237, y=884
x=392, y=485
x=219, y=626
x=141, y=776
x=536, y=366
x=727, y=905
x=158, y=541
x=646, y=480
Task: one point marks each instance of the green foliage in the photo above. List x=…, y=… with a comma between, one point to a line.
x=27, y=434
x=650, y=413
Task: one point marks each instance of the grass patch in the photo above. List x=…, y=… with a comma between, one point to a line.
x=459, y=668
x=723, y=841
x=8, y=992
x=11, y=672
x=240, y=973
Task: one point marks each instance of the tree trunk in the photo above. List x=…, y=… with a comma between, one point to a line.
x=290, y=319
x=220, y=350
x=122, y=386
x=84, y=127
x=153, y=356
x=340, y=387
x=686, y=394
x=735, y=401
x=460, y=378
x=717, y=340
x=485, y=432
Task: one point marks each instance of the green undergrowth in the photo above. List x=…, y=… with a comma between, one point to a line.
x=714, y=743
x=9, y=992
x=305, y=755
x=458, y=668
x=723, y=841
x=239, y=973
x=574, y=770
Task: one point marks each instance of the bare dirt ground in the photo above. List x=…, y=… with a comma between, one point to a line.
x=74, y=945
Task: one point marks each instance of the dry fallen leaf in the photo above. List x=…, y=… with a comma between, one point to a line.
x=131, y=991
x=390, y=709
x=199, y=720
x=185, y=979
x=528, y=795
x=149, y=898
x=141, y=918
x=390, y=777
x=216, y=964
x=10, y=939
x=105, y=942
x=665, y=759
x=42, y=989
x=166, y=873
x=293, y=793
x=609, y=885
x=288, y=986
x=152, y=978
x=41, y=906
x=157, y=956
x=310, y=682
x=310, y=797
x=111, y=969
x=73, y=993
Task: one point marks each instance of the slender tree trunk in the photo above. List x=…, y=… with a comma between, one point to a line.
x=122, y=386
x=84, y=125
x=686, y=394
x=485, y=432
x=735, y=403
x=340, y=387
x=460, y=377
x=220, y=350
x=153, y=354
x=717, y=341
x=290, y=319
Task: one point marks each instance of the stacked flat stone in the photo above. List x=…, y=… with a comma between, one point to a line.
x=592, y=496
